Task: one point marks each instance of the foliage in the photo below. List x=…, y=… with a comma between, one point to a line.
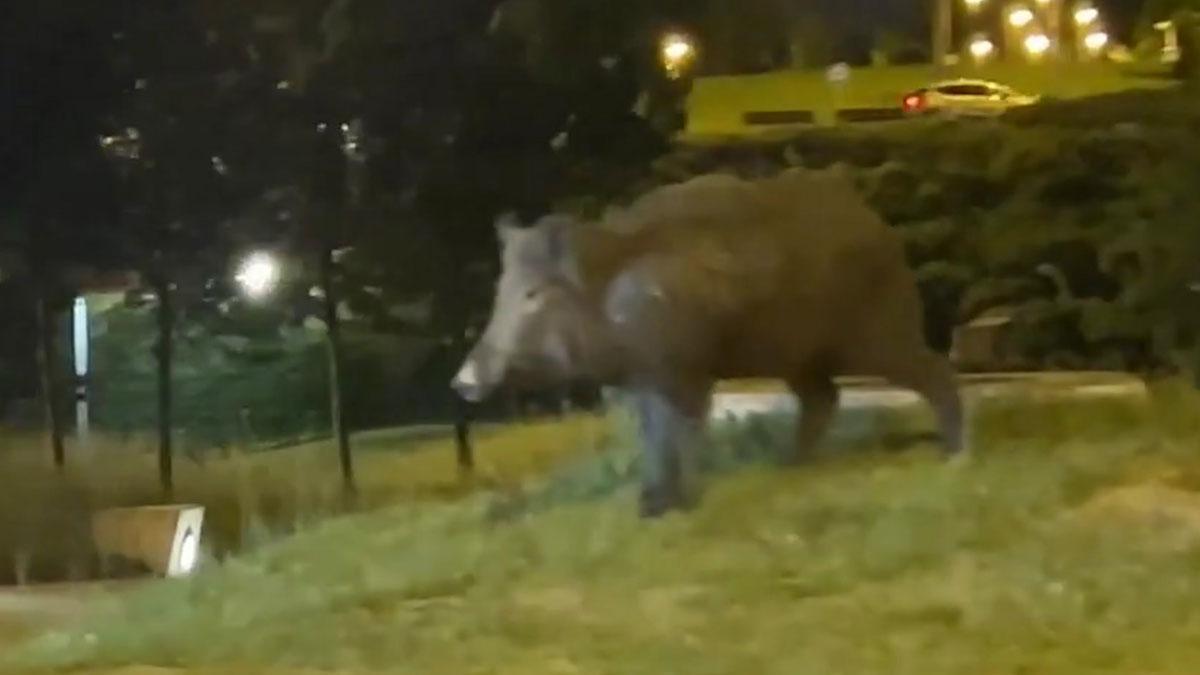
x=1187, y=23
x=1077, y=215
x=231, y=389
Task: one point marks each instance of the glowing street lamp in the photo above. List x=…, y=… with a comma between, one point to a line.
x=1095, y=41
x=1085, y=16
x=258, y=275
x=677, y=51
x=981, y=48
x=1020, y=17
x=1037, y=44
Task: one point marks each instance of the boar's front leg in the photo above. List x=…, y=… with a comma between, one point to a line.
x=671, y=428
x=931, y=376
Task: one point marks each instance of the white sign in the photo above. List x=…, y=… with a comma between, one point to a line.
x=838, y=73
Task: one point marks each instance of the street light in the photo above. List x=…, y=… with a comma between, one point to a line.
x=973, y=4
x=1086, y=15
x=258, y=274
x=1020, y=17
x=677, y=52
x=981, y=48
x=1095, y=41
x=1037, y=44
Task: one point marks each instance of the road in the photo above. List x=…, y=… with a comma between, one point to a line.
x=738, y=399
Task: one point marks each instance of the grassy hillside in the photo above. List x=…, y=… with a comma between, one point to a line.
x=252, y=498
x=1068, y=546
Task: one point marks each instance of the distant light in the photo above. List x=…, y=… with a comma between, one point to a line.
x=1037, y=44
x=1095, y=41
x=1086, y=15
x=981, y=48
x=219, y=166
x=1019, y=18
x=258, y=275
x=283, y=85
x=678, y=51
x=1042, y=3
x=973, y=4
x=79, y=334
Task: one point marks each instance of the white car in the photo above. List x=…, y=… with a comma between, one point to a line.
x=965, y=97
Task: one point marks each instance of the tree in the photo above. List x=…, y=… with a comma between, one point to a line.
x=491, y=114
x=183, y=86
x=56, y=187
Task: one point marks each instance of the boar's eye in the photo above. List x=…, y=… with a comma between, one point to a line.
x=532, y=298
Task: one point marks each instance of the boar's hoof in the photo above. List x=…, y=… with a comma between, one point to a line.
x=657, y=501
x=958, y=457
x=793, y=458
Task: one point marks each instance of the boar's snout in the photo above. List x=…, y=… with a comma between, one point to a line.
x=475, y=379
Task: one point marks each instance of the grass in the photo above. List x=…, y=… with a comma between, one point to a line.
x=254, y=497
x=716, y=104
x=1068, y=546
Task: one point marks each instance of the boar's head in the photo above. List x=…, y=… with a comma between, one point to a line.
x=542, y=329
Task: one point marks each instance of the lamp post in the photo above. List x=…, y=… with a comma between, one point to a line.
x=942, y=31
x=1090, y=39
x=1016, y=20
x=81, y=344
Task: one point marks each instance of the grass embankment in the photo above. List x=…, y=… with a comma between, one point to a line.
x=716, y=104
x=1068, y=546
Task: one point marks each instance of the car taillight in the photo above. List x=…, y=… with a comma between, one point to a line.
x=913, y=102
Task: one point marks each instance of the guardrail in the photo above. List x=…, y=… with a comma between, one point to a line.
x=869, y=114
x=772, y=117
x=799, y=117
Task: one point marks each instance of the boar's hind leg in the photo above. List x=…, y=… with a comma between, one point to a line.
x=931, y=376
x=669, y=429
x=818, y=402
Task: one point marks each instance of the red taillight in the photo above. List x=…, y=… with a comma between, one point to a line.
x=913, y=101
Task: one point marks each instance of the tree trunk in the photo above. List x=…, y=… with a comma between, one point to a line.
x=47, y=366
x=166, y=355
x=333, y=342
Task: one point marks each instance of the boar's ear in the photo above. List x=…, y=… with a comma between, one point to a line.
x=506, y=225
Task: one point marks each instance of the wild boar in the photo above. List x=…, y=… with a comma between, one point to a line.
x=791, y=277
